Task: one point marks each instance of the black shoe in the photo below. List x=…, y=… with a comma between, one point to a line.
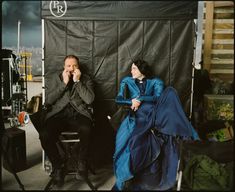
x=58, y=175
x=127, y=185
x=82, y=168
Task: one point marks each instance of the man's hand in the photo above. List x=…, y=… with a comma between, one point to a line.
x=76, y=75
x=66, y=75
x=135, y=104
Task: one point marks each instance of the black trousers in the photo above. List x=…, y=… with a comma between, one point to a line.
x=55, y=125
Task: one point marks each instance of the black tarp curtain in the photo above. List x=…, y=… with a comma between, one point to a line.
x=108, y=35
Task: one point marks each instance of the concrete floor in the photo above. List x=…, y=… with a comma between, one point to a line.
x=34, y=177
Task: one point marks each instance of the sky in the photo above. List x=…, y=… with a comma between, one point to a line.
x=28, y=12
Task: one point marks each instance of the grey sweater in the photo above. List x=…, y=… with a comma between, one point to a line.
x=58, y=95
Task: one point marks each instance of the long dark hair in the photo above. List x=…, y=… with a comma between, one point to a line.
x=143, y=67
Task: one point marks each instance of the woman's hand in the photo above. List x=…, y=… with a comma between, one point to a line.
x=135, y=104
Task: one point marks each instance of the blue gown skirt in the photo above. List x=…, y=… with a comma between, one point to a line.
x=146, y=150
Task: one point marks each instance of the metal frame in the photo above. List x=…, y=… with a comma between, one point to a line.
x=10, y=66
x=197, y=49
x=43, y=82
x=195, y=64
x=196, y=59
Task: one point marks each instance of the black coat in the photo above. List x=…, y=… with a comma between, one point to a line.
x=58, y=96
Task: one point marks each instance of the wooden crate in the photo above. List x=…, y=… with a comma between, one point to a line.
x=218, y=107
x=218, y=39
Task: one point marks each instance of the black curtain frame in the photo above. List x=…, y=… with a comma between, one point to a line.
x=108, y=35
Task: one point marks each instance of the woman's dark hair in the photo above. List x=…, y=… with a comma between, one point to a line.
x=72, y=57
x=143, y=67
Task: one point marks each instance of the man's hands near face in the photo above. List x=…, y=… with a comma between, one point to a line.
x=66, y=75
x=76, y=75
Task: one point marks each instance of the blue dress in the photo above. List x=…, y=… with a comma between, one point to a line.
x=146, y=150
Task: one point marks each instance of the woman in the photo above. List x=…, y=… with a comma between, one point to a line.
x=146, y=152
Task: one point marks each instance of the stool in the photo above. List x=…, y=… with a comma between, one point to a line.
x=67, y=140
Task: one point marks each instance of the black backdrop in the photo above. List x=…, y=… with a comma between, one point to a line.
x=108, y=35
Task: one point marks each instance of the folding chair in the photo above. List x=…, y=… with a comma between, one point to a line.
x=220, y=152
x=66, y=145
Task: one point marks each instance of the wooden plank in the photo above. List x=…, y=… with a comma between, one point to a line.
x=208, y=34
x=221, y=15
x=222, y=46
x=223, y=31
x=223, y=25
x=224, y=21
x=222, y=56
x=223, y=41
x=221, y=21
x=224, y=10
x=222, y=71
x=219, y=36
x=222, y=61
x=224, y=15
x=223, y=4
x=221, y=10
x=222, y=66
x=222, y=36
x=222, y=51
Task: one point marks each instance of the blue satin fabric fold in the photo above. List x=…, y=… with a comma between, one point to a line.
x=122, y=153
x=151, y=159
x=170, y=117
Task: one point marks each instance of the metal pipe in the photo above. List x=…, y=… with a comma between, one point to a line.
x=18, y=42
x=43, y=85
x=197, y=51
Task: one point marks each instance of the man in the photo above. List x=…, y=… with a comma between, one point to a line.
x=68, y=93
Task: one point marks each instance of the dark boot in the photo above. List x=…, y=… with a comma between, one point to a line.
x=82, y=168
x=127, y=185
x=58, y=175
